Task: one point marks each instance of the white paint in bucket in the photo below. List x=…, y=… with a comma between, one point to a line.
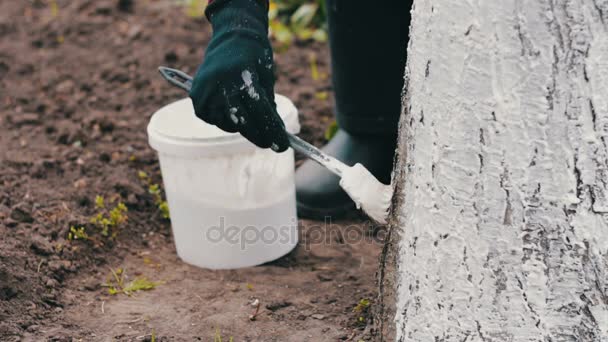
x=232, y=204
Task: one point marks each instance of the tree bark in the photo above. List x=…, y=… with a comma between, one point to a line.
x=499, y=226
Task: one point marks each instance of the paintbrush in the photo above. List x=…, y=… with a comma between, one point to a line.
x=364, y=189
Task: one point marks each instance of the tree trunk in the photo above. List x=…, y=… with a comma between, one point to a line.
x=499, y=227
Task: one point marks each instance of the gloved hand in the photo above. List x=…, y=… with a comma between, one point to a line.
x=234, y=87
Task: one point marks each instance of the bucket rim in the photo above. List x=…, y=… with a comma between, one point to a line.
x=227, y=142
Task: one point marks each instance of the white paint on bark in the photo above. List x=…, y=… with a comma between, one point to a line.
x=502, y=217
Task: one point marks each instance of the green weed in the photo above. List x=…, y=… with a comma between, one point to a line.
x=116, y=283
x=78, y=234
x=156, y=192
x=218, y=337
x=195, y=8
x=362, y=305
x=140, y=284
x=109, y=219
x=54, y=8
x=315, y=74
x=322, y=95
x=362, y=309
x=107, y=222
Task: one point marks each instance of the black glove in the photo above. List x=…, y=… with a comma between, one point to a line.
x=234, y=87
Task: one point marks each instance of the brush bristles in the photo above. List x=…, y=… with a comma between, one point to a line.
x=367, y=192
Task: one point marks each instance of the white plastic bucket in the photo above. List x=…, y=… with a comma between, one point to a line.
x=232, y=204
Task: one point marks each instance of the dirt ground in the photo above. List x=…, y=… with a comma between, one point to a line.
x=78, y=84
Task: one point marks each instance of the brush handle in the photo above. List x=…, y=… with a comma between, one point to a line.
x=184, y=81
x=310, y=151
x=177, y=78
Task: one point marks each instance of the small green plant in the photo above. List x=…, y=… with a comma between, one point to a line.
x=322, y=95
x=140, y=284
x=109, y=220
x=54, y=8
x=116, y=283
x=163, y=207
x=156, y=192
x=78, y=233
x=362, y=305
x=315, y=74
x=100, y=202
x=194, y=8
x=218, y=337
x=362, y=309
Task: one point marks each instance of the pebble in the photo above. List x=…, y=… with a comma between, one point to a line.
x=274, y=306
x=52, y=283
x=41, y=246
x=91, y=284
x=33, y=328
x=57, y=265
x=80, y=184
x=126, y=5
x=324, y=277
x=41, y=168
x=65, y=86
x=23, y=119
x=21, y=213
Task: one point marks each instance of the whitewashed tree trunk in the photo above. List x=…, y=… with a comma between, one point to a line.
x=499, y=228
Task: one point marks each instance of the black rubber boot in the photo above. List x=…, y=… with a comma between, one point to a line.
x=368, y=42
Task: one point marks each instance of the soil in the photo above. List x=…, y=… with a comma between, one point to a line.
x=78, y=84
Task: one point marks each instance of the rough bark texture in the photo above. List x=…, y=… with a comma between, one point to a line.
x=500, y=225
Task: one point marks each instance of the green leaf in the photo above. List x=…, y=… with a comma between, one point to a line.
x=320, y=36
x=142, y=175
x=153, y=189
x=301, y=19
x=140, y=284
x=303, y=16
x=362, y=305
x=273, y=10
x=196, y=8
x=303, y=33
x=322, y=95
x=164, y=209
x=77, y=233
x=54, y=8
x=314, y=69
x=331, y=130
x=99, y=202
x=281, y=33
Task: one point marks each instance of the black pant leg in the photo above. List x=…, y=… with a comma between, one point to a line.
x=368, y=42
